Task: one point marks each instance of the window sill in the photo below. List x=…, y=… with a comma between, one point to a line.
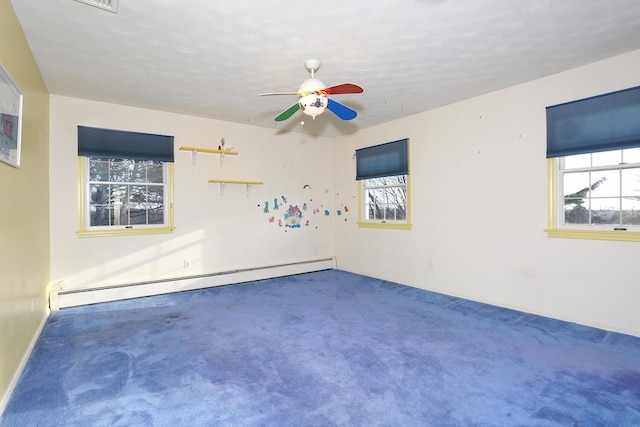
x=623, y=236
x=124, y=232
x=389, y=225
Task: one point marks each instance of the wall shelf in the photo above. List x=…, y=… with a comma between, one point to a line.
x=195, y=150
x=221, y=152
x=222, y=183
x=208, y=150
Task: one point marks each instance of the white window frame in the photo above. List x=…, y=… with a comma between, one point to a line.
x=374, y=184
x=557, y=227
x=85, y=229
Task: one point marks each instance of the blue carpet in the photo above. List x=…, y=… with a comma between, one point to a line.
x=322, y=349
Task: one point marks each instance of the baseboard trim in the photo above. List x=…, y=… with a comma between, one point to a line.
x=23, y=363
x=64, y=298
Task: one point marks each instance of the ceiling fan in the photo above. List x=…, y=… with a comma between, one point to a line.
x=313, y=96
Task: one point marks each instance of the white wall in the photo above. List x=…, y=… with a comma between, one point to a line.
x=479, y=177
x=214, y=233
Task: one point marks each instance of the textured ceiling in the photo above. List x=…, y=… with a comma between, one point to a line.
x=212, y=58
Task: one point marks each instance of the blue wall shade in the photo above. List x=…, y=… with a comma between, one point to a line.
x=601, y=123
x=119, y=144
x=381, y=160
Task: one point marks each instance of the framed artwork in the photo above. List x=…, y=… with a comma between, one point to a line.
x=10, y=119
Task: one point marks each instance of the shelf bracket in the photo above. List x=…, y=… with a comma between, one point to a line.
x=194, y=156
x=248, y=189
x=248, y=184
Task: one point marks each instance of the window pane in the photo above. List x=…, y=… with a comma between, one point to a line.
x=120, y=204
x=396, y=212
x=374, y=201
x=605, y=183
x=575, y=214
x=101, y=215
x=606, y=158
x=605, y=211
x=373, y=212
x=155, y=172
x=137, y=216
x=99, y=170
x=577, y=161
x=631, y=155
x=397, y=195
x=119, y=194
x=155, y=196
x=139, y=172
x=576, y=185
x=631, y=182
x=99, y=193
x=138, y=196
x=121, y=170
x=156, y=214
x=630, y=212
x=386, y=180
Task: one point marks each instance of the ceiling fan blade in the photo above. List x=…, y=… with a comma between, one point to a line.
x=341, y=110
x=288, y=112
x=343, y=88
x=277, y=93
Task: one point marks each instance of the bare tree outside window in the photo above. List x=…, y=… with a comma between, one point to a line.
x=386, y=198
x=126, y=192
x=608, y=186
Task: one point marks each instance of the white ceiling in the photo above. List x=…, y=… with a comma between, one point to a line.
x=212, y=58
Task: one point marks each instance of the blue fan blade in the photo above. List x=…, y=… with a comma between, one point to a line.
x=288, y=112
x=341, y=110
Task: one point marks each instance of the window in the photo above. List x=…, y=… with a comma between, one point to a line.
x=385, y=199
x=593, y=146
x=600, y=190
x=384, y=189
x=126, y=183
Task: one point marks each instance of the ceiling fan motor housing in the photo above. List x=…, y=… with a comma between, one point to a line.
x=311, y=85
x=313, y=104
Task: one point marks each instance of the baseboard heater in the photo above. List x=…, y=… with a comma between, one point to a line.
x=63, y=298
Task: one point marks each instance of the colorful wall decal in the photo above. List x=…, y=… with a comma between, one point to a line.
x=293, y=217
x=293, y=214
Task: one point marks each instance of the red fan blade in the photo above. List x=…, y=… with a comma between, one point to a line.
x=343, y=88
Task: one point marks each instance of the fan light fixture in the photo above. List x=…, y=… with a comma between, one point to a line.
x=313, y=104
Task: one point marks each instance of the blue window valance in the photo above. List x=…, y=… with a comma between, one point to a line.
x=600, y=123
x=119, y=144
x=389, y=159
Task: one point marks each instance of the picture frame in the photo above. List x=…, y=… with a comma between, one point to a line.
x=10, y=119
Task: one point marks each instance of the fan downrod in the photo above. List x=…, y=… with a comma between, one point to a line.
x=312, y=65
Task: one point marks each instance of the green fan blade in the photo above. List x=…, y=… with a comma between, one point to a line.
x=288, y=112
